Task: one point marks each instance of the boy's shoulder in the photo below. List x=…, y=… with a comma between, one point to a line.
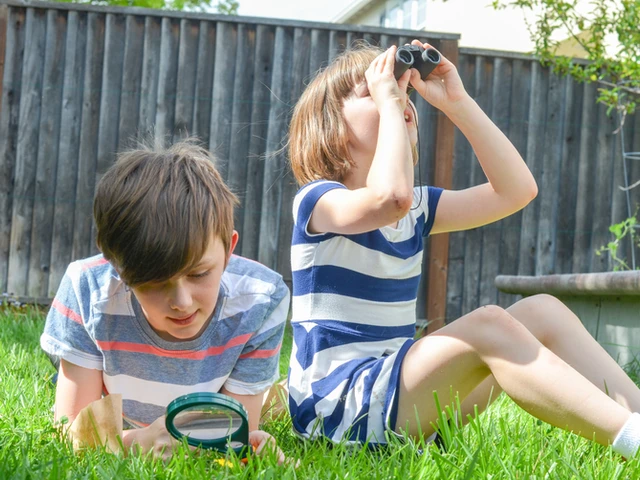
x=248, y=277
x=95, y=278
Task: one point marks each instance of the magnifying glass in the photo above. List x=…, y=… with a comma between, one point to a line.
x=210, y=420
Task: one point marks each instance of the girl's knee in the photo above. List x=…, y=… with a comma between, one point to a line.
x=495, y=325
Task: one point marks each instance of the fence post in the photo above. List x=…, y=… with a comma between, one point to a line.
x=439, y=244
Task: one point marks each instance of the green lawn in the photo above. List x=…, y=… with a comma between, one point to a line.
x=503, y=443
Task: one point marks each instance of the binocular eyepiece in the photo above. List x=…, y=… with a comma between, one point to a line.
x=414, y=56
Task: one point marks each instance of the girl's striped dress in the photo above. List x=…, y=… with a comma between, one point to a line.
x=354, y=313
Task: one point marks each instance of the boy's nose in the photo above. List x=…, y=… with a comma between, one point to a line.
x=180, y=298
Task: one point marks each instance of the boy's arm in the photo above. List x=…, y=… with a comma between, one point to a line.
x=251, y=403
x=76, y=388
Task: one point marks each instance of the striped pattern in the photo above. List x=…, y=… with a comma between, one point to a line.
x=354, y=312
x=96, y=322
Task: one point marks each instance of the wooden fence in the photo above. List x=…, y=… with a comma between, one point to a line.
x=78, y=82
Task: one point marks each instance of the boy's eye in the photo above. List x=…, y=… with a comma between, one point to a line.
x=199, y=275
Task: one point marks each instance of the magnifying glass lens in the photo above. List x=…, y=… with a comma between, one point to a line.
x=207, y=423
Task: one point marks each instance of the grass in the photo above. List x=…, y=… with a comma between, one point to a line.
x=504, y=442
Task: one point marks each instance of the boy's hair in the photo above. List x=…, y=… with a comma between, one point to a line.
x=318, y=133
x=157, y=208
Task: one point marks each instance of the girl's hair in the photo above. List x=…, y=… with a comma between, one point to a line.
x=157, y=208
x=318, y=133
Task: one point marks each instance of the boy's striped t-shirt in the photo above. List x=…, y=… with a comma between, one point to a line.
x=354, y=313
x=96, y=322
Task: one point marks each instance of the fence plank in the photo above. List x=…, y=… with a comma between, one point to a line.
x=499, y=111
x=533, y=154
x=517, y=133
x=187, y=73
x=89, y=134
x=549, y=179
x=222, y=106
x=204, y=81
x=27, y=151
x=241, y=119
x=457, y=261
x=265, y=37
x=299, y=72
x=167, y=78
x=584, y=198
x=131, y=81
x=9, y=123
x=568, y=172
x=319, y=53
x=67, y=171
x=150, y=75
x=275, y=162
x=605, y=154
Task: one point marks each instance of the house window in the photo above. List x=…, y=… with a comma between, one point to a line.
x=404, y=14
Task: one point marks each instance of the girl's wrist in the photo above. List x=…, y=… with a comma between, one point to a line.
x=459, y=110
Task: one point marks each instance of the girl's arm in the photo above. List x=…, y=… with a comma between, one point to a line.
x=380, y=186
x=511, y=185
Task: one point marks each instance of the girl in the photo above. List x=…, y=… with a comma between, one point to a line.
x=356, y=371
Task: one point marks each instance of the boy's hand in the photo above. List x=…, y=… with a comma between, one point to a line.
x=381, y=83
x=443, y=87
x=263, y=443
x=155, y=438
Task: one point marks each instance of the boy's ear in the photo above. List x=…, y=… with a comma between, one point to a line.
x=232, y=245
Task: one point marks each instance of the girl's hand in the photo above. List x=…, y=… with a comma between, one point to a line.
x=382, y=84
x=443, y=87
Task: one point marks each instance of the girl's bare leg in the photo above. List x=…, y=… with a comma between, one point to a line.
x=490, y=341
x=561, y=331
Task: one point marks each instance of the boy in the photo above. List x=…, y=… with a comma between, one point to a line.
x=166, y=309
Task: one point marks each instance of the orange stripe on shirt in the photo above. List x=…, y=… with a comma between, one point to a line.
x=66, y=311
x=94, y=263
x=161, y=352
x=262, y=353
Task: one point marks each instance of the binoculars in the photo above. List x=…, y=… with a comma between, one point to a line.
x=414, y=56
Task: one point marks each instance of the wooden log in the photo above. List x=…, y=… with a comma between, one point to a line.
x=27, y=151
x=68, y=162
x=187, y=73
x=275, y=164
x=439, y=244
x=83, y=244
x=265, y=37
x=131, y=82
x=600, y=283
x=9, y=123
x=167, y=79
x=150, y=75
x=204, y=81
